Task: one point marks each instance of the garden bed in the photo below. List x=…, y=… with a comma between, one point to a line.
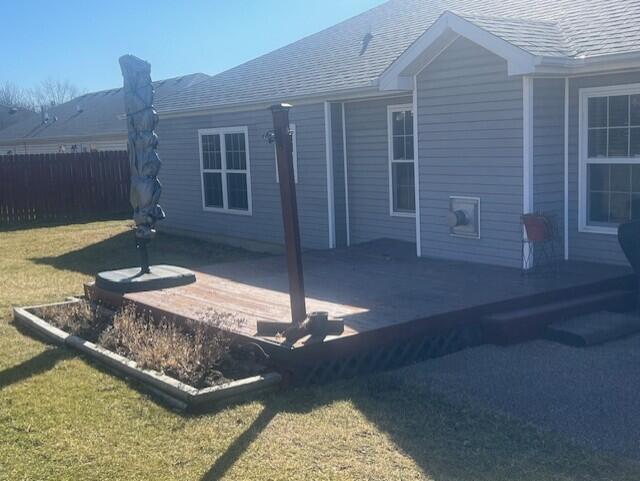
x=189, y=367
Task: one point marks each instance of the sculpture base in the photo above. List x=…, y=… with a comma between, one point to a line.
x=132, y=280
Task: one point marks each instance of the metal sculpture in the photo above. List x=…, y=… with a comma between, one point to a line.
x=144, y=161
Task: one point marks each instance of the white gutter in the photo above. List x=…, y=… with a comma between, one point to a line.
x=370, y=91
x=592, y=62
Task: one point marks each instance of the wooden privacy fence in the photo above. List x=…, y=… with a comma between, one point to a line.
x=43, y=188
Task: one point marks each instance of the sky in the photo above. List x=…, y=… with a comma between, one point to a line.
x=81, y=41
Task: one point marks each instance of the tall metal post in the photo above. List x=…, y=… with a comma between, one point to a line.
x=284, y=154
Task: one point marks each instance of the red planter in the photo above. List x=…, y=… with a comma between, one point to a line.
x=536, y=227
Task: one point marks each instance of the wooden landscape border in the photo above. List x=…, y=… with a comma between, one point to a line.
x=178, y=394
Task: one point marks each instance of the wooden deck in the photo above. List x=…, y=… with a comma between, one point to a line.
x=381, y=290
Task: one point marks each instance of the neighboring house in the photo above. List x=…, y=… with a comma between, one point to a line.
x=12, y=115
x=93, y=121
x=416, y=105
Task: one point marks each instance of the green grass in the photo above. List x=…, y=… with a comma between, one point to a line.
x=63, y=418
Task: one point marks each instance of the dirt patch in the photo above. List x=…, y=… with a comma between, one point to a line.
x=198, y=354
x=82, y=319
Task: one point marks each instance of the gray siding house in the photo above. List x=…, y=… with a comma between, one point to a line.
x=406, y=111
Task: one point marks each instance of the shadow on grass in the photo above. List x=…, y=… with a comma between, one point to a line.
x=43, y=362
x=376, y=396
x=119, y=251
x=239, y=446
x=446, y=441
x=63, y=222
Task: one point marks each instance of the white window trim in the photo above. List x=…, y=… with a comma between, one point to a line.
x=390, y=110
x=294, y=141
x=583, y=151
x=223, y=170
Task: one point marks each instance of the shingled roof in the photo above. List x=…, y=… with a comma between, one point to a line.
x=92, y=114
x=337, y=59
x=12, y=115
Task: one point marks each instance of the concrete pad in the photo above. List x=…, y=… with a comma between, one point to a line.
x=592, y=329
x=590, y=395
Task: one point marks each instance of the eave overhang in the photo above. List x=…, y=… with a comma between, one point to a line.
x=449, y=27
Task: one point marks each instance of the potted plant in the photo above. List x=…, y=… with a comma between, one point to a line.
x=536, y=227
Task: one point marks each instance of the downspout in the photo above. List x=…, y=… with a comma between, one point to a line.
x=566, y=169
x=527, y=164
x=416, y=166
x=346, y=176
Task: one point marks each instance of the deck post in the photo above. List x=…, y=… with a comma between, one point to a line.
x=284, y=154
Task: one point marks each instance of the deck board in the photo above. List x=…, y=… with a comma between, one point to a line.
x=371, y=287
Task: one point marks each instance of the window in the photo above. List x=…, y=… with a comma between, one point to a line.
x=224, y=162
x=292, y=128
x=401, y=161
x=609, y=157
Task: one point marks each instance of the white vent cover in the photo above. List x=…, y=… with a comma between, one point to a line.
x=464, y=217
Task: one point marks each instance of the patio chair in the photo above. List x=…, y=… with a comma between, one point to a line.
x=541, y=236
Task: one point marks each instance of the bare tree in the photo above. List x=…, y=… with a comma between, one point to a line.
x=13, y=96
x=53, y=92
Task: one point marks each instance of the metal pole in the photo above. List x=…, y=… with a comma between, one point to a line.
x=284, y=154
x=141, y=246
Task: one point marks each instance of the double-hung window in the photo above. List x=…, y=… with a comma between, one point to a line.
x=402, y=200
x=225, y=176
x=609, y=157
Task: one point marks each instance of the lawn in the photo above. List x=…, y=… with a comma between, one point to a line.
x=63, y=418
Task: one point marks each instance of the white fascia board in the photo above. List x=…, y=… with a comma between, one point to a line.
x=588, y=65
x=449, y=26
x=370, y=91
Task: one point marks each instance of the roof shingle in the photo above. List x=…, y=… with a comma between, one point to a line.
x=95, y=113
x=334, y=59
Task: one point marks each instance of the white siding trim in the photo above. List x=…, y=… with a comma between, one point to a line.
x=566, y=168
x=223, y=170
x=527, y=166
x=331, y=206
x=416, y=168
x=346, y=176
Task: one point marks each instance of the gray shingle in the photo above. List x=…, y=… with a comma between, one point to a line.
x=535, y=36
x=102, y=113
x=334, y=59
x=9, y=116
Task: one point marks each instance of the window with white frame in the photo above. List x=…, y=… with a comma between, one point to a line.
x=292, y=129
x=225, y=176
x=610, y=157
x=401, y=161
